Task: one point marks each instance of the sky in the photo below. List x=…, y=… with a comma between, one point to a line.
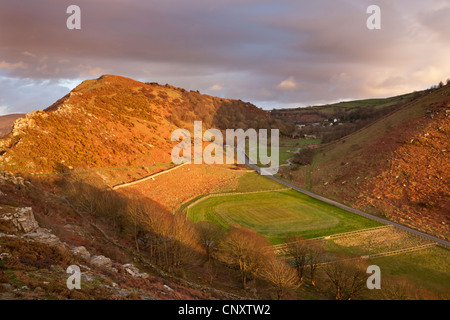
x=284, y=53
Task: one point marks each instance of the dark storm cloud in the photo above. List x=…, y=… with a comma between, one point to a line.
x=273, y=53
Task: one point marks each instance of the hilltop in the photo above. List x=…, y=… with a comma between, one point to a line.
x=115, y=121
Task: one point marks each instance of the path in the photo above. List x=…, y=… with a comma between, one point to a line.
x=152, y=177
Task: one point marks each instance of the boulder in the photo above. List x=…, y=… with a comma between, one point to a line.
x=43, y=236
x=21, y=218
x=134, y=271
x=81, y=252
x=101, y=262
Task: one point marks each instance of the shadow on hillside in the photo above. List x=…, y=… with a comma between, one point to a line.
x=169, y=240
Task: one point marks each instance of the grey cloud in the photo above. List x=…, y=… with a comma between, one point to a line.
x=247, y=48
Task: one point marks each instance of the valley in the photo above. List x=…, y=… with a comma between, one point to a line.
x=95, y=168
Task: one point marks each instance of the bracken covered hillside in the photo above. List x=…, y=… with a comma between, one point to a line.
x=114, y=121
x=415, y=186
x=398, y=166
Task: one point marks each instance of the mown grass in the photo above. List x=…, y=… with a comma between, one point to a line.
x=279, y=214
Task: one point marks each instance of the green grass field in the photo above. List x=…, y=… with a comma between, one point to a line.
x=356, y=104
x=278, y=214
x=287, y=148
x=429, y=268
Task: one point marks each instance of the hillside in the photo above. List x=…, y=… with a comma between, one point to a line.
x=173, y=235
x=397, y=166
x=6, y=123
x=42, y=234
x=342, y=110
x=115, y=122
x=333, y=121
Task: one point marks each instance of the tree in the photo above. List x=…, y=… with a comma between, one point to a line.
x=315, y=256
x=280, y=275
x=398, y=289
x=172, y=240
x=297, y=248
x=348, y=277
x=304, y=253
x=246, y=250
x=210, y=235
x=304, y=157
x=448, y=81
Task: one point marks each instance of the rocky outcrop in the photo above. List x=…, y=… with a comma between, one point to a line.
x=134, y=271
x=8, y=177
x=22, y=124
x=24, y=225
x=21, y=218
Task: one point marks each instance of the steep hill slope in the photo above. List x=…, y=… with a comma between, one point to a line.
x=389, y=160
x=114, y=121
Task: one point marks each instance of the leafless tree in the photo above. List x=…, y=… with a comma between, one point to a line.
x=397, y=289
x=348, y=277
x=280, y=275
x=210, y=235
x=297, y=248
x=315, y=256
x=246, y=250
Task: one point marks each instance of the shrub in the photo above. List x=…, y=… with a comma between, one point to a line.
x=304, y=157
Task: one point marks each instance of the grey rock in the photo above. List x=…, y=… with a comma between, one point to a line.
x=134, y=271
x=21, y=218
x=43, y=236
x=102, y=262
x=81, y=252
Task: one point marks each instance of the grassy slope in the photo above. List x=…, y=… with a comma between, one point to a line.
x=251, y=181
x=429, y=268
x=353, y=105
x=278, y=214
x=345, y=106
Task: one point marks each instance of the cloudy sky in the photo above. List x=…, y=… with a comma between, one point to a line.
x=282, y=53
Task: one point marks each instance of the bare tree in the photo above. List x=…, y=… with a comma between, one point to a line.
x=280, y=275
x=297, y=248
x=210, y=272
x=304, y=253
x=246, y=250
x=172, y=240
x=348, y=277
x=397, y=289
x=210, y=234
x=315, y=256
